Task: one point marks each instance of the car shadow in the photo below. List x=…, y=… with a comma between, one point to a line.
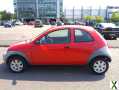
x=51, y=73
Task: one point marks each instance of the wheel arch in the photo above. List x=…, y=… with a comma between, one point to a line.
x=106, y=58
x=101, y=53
x=18, y=54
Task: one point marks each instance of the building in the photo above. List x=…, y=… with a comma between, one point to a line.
x=32, y=9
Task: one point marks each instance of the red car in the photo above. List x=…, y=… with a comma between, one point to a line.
x=61, y=45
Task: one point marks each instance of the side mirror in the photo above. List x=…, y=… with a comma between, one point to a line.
x=41, y=42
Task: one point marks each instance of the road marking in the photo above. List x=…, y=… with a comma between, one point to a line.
x=114, y=85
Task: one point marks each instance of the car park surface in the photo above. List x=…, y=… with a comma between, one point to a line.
x=55, y=78
x=52, y=77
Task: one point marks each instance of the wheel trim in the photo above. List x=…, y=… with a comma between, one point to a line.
x=16, y=65
x=99, y=66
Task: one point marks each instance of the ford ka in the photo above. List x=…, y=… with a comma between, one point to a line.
x=61, y=45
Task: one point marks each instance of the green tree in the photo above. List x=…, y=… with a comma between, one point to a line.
x=89, y=18
x=14, y=16
x=0, y=16
x=115, y=17
x=99, y=19
x=5, y=15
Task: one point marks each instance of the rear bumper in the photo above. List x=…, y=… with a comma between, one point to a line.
x=102, y=52
x=4, y=58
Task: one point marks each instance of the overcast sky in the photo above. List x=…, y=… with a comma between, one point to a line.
x=8, y=4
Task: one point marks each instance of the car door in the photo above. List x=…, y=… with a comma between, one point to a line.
x=81, y=48
x=51, y=48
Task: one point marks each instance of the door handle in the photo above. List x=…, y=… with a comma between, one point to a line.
x=67, y=47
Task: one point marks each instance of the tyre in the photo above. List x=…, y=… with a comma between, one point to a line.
x=99, y=66
x=115, y=38
x=110, y=37
x=106, y=37
x=17, y=64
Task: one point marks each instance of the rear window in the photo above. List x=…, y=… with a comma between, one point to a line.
x=82, y=36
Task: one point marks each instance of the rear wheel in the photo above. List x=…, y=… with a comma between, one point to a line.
x=99, y=66
x=17, y=64
x=115, y=38
x=110, y=37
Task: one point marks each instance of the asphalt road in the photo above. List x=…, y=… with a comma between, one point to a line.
x=58, y=78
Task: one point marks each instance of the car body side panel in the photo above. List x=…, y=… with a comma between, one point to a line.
x=77, y=53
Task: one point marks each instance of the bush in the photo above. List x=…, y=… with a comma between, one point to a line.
x=115, y=17
x=99, y=19
x=89, y=18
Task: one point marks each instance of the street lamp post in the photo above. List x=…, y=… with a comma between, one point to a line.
x=99, y=10
x=90, y=10
x=81, y=12
x=37, y=11
x=73, y=13
x=17, y=11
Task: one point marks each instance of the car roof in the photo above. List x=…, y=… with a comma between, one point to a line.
x=87, y=28
x=108, y=24
x=51, y=28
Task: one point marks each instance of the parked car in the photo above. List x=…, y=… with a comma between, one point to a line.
x=18, y=23
x=53, y=23
x=59, y=23
x=79, y=23
x=7, y=24
x=61, y=45
x=107, y=30
x=102, y=26
x=38, y=23
x=69, y=22
x=111, y=33
x=31, y=23
x=90, y=23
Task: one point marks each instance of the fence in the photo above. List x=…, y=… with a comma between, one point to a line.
x=80, y=13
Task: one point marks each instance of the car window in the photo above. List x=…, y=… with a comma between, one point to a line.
x=100, y=26
x=97, y=25
x=56, y=37
x=82, y=36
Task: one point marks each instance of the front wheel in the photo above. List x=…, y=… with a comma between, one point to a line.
x=99, y=66
x=16, y=64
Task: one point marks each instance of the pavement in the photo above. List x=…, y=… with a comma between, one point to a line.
x=58, y=78
x=113, y=43
x=15, y=34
